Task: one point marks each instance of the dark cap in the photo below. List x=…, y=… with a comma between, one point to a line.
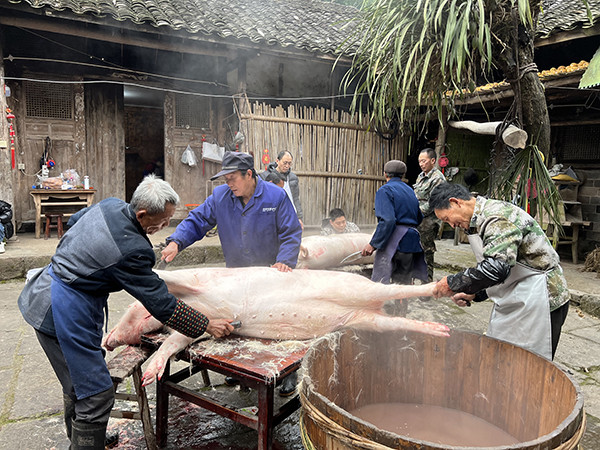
x=233, y=161
x=395, y=166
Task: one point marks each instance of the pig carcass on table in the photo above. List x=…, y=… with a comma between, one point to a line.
x=301, y=304
x=325, y=252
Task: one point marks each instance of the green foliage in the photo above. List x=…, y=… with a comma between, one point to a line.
x=355, y=3
x=414, y=56
x=527, y=183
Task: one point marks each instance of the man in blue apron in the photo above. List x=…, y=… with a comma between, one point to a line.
x=106, y=250
x=517, y=268
x=399, y=257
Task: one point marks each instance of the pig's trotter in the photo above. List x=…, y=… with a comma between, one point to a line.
x=379, y=322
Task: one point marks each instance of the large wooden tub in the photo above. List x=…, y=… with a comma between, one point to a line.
x=527, y=396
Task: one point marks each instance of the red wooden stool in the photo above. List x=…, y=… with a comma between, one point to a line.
x=58, y=226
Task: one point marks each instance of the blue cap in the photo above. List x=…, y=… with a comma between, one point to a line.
x=233, y=161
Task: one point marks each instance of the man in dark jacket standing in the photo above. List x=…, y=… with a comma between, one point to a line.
x=106, y=250
x=283, y=165
x=399, y=256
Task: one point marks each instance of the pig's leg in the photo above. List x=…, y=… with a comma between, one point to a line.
x=171, y=346
x=135, y=322
x=413, y=290
x=375, y=321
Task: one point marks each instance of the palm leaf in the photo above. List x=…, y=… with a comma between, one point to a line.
x=525, y=177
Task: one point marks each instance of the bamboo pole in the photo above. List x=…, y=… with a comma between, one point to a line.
x=321, y=123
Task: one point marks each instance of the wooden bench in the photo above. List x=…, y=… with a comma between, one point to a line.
x=128, y=363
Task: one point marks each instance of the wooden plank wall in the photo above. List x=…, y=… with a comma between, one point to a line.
x=67, y=146
x=327, y=159
x=191, y=183
x=105, y=140
x=6, y=181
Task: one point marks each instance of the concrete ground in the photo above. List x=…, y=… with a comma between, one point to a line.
x=31, y=401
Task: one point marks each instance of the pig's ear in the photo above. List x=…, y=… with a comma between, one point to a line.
x=303, y=252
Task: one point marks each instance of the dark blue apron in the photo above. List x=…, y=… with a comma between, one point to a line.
x=78, y=319
x=382, y=265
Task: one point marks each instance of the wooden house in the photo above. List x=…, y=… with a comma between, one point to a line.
x=114, y=90
x=565, y=44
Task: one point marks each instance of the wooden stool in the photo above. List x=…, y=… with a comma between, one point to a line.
x=126, y=364
x=58, y=226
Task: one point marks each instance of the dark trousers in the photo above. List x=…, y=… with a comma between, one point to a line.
x=93, y=409
x=557, y=319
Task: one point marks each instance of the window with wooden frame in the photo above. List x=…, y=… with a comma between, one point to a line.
x=48, y=100
x=192, y=111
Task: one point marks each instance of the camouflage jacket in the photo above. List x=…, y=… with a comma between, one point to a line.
x=351, y=227
x=423, y=187
x=512, y=235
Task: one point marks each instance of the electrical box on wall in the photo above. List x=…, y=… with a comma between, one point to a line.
x=3, y=144
x=21, y=166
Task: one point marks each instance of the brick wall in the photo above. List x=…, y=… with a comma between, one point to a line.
x=589, y=196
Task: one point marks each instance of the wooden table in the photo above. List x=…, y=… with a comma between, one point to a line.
x=252, y=373
x=60, y=200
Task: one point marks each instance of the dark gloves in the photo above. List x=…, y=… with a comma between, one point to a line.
x=487, y=273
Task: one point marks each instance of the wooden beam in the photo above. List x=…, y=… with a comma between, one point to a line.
x=570, y=35
x=115, y=36
x=321, y=123
x=571, y=123
x=340, y=175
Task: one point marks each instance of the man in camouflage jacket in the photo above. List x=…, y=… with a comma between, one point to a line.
x=509, y=236
x=428, y=179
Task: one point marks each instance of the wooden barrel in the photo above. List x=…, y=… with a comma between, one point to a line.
x=525, y=395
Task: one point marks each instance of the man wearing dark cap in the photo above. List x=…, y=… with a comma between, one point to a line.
x=256, y=221
x=399, y=257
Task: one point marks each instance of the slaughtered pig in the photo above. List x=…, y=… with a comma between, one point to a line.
x=335, y=250
x=298, y=305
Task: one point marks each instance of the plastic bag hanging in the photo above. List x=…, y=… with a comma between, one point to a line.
x=189, y=157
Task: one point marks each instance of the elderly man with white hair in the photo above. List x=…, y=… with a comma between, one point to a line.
x=106, y=250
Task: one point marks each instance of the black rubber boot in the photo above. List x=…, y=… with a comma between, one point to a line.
x=230, y=381
x=69, y=413
x=288, y=385
x=88, y=436
x=111, y=439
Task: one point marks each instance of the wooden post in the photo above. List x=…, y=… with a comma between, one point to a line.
x=440, y=144
x=241, y=75
x=6, y=181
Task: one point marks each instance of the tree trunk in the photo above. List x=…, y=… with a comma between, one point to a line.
x=535, y=113
x=529, y=91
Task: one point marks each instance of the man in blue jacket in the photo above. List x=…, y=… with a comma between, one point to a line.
x=256, y=221
x=106, y=250
x=399, y=257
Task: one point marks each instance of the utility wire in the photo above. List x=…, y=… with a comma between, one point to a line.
x=175, y=91
x=122, y=69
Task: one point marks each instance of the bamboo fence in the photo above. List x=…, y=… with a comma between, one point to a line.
x=338, y=160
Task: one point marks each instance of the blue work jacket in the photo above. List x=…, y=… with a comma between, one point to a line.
x=397, y=204
x=261, y=233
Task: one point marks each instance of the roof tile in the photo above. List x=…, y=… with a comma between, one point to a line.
x=305, y=24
